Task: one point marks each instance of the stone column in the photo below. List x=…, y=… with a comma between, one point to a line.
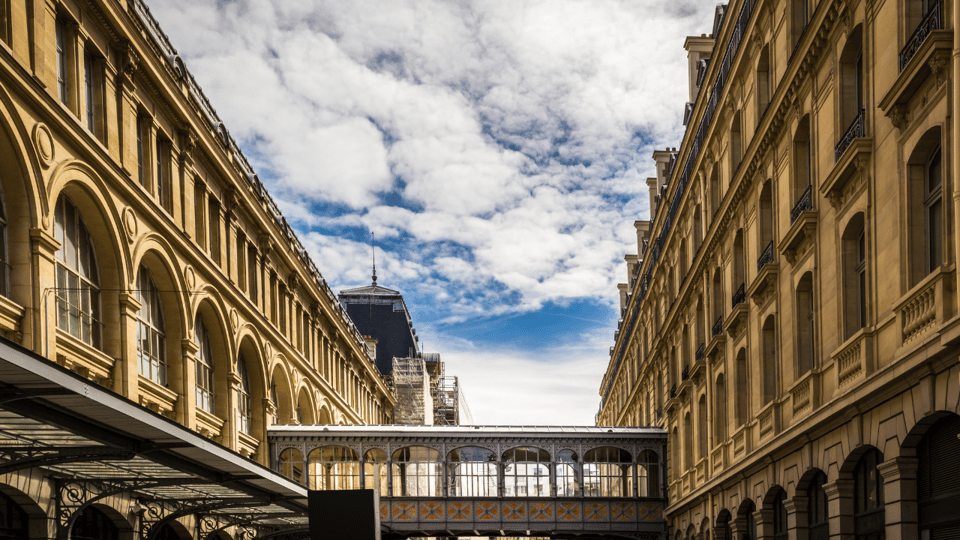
x=188, y=415
x=764, y=519
x=43, y=331
x=231, y=429
x=126, y=373
x=840, y=508
x=797, y=518
x=900, y=497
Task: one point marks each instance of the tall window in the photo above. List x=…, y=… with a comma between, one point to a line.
x=743, y=388
x=204, y=364
x=702, y=426
x=720, y=411
x=150, y=330
x=141, y=149
x=747, y=510
x=62, y=63
x=805, y=324
x=648, y=474
x=736, y=144
x=214, y=236
x=851, y=78
x=802, y=161
x=78, y=282
x=253, y=275
x=89, y=92
x=164, y=174
x=868, y=513
x=933, y=202
x=764, y=90
x=817, y=515
x=244, y=402
x=853, y=245
x=799, y=17
x=770, y=374
x=924, y=214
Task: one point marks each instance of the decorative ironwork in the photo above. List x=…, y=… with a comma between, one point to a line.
x=933, y=20
x=766, y=257
x=685, y=374
x=673, y=391
x=718, y=326
x=740, y=296
x=659, y=413
x=701, y=352
x=855, y=131
x=805, y=203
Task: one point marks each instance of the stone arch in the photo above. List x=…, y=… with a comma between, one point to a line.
x=124, y=527
x=305, y=406
x=281, y=392
x=89, y=194
x=36, y=516
x=250, y=351
x=324, y=417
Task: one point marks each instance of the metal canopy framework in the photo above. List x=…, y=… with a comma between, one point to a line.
x=98, y=444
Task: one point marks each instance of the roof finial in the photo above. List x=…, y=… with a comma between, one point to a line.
x=373, y=248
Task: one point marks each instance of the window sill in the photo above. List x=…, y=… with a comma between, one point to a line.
x=156, y=398
x=934, y=54
x=210, y=425
x=84, y=359
x=10, y=315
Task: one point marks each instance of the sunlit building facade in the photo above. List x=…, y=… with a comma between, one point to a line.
x=142, y=253
x=791, y=314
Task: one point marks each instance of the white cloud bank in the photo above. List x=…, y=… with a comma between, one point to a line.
x=498, y=149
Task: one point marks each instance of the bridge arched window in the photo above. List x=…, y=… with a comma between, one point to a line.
x=13, y=520
x=473, y=472
x=417, y=472
x=334, y=467
x=526, y=472
x=568, y=472
x=375, y=471
x=607, y=472
x=648, y=474
x=78, y=280
x=291, y=464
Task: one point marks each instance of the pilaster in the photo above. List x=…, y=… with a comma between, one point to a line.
x=43, y=251
x=900, y=497
x=797, y=517
x=840, y=508
x=127, y=371
x=189, y=381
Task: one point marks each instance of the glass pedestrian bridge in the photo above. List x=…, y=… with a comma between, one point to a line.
x=488, y=480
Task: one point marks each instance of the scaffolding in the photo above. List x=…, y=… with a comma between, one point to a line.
x=411, y=382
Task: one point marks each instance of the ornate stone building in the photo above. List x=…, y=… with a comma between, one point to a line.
x=791, y=316
x=141, y=252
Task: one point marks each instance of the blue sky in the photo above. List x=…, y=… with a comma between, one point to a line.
x=498, y=150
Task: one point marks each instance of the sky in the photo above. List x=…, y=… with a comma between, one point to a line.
x=497, y=150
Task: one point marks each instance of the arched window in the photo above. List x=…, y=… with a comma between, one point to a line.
x=739, y=276
x=742, y=399
x=925, y=206
x=334, y=467
x=13, y=520
x=244, y=402
x=568, y=474
x=473, y=472
x=723, y=529
x=805, y=324
x=799, y=17
x=868, y=497
x=526, y=472
x=607, y=472
x=697, y=230
x=151, y=338
x=416, y=472
x=779, y=515
x=167, y=533
x=204, y=368
x=715, y=195
x=802, y=168
x=687, y=441
x=854, y=248
x=717, y=301
x=770, y=371
x=818, y=518
x=290, y=464
x=765, y=224
x=78, y=281
x=93, y=524
x=938, y=479
x=764, y=81
x=648, y=474
x=746, y=517
x=702, y=426
x=375, y=471
x=720, y=411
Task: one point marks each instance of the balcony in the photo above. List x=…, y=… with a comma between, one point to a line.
x=805, y=394
x=855, y=131
x=717, y=326
x=740, y=296
x=803, y=226
x=925, y=307
x=853, y=359
x=699, y=365
x=848, y=176
x=768, y=421
x=764, y=285
x=926, y=52
x=766, y=257
x=932, y=21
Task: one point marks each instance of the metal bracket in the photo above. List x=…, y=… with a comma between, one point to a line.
x=157, y=514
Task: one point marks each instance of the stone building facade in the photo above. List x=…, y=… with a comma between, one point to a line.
x=791, y=317
x=141, y=251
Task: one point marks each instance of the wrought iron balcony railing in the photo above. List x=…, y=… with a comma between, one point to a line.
x=855, y=131
x=933, y=20
x=673, y=391
x=685, y=374
x=805, y=203
x=766, y=257
x=701, y=352
x=740, y=296
x=718, y=326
